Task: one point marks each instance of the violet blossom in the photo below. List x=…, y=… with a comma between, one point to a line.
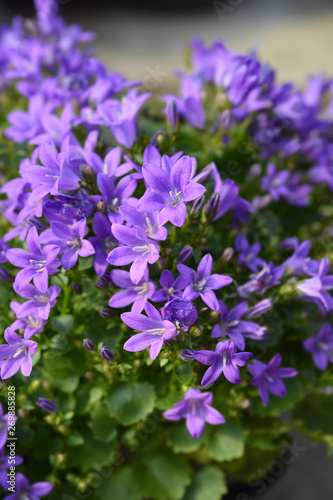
x=154, y=331
x=171, y=288
x=225, y=359
x=17, y=354
x=38, y=303
x=321, y=346
x=267, y=377
x=196, y=409
x=203, y=282
x=132, y=294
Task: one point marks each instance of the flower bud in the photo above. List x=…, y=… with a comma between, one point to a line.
x=213, y=205
x=227, y=254
x=107, y=354
x=47, y=405
x=261, y=308
x=172, y=113
x=88, y=344
x=254, y=172
x=185, y=254
x=5, y=276
x=76, y=287
x=197, y=205
x=182, y=311
x=187, y=354
x=106, y=312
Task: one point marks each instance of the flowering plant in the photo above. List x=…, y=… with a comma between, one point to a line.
x=165, y=270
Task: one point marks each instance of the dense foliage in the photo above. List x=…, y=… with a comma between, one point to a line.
x=151, y=249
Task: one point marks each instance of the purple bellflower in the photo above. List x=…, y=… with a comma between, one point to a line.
x=120, y=116
x=232, y=325
x=172, y=288
x=17, y=354
x=137, y=249
x=267, y=377
x=24, y=490
x=71, y=242
x=116, y=195
x=321, y=347
x=154, y=331
x=103, y=242
x=275, y=182
x=267, y=277
x=31, y=324
x=224, y=360
x=38, y=263
x=196, y=409
x=203, y=282
x=169, y=189
x=316, y=289
x=38, y=303
x=150, y=223
x=181, y=312
x=132, y=294
x=248, y=255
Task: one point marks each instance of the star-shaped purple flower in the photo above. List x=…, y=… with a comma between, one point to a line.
x=71, y=242
x=203, y=282
x=38, y=263
x=103, y=242
x=196, y=409
x=172, y=288
x=316, y=288
x=17, y=354
x=38, y=303
x=115, y=195
x=232, y=325
x=27, y=491
x=321, y=347
x=248, y=254
x=137, y=249
x=169, y=189
x=154, y=331
x=267, y=377
x=224, y=360
x=31, y=324
x=132, y=294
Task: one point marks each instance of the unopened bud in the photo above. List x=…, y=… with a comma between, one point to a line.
x=185, y=254
x=106, y=312
x=47, y=405
x=76, y=287
x=213, y=205
x=172, y=113
x=88, y=344
x=107, y=354
x=227, y=254
x=187, y=354
x=197, y=205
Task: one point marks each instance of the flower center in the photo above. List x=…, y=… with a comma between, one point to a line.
x=156, y=331
x=23, y=348
x=39, y=265
x=143, y=249
x=32, y=321
x=143, y=289
x=42, y=299
x=176, y=198
x=199, y=285
x=113, y=205
x=75, y=243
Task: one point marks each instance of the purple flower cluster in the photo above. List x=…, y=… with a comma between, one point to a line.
x=122, y=206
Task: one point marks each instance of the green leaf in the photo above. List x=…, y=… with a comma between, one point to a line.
x=295, y=393
x=91, y=454
x=104, y=428
x=64, y=371
x=227, y=442
x=130, y=403
x=75, y=439
x=120, y=485
x=181, y=441
x=62, y=324
x=162, y=475
x=184, y=373
x=208, y=484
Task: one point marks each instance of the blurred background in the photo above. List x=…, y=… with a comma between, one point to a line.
x=146, y=40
